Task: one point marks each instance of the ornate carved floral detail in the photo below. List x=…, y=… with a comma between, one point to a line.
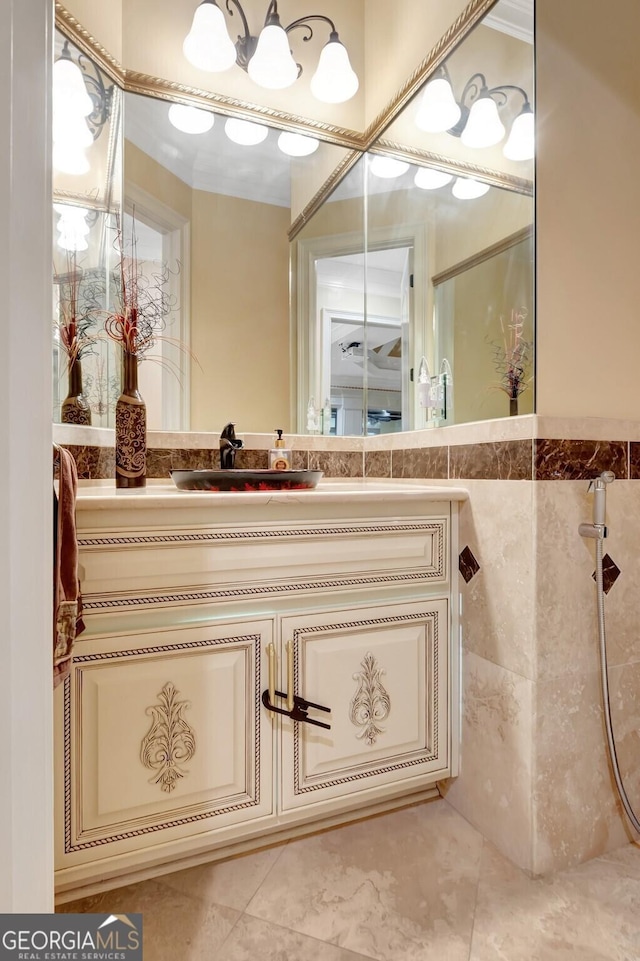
x=169, y=742
x=371, y=703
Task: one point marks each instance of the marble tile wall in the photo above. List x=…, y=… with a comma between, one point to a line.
x=576, y=812
x=495, y=784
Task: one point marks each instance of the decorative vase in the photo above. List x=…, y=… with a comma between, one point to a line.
x=75, y=407
x=131, y=428
x=513, y=406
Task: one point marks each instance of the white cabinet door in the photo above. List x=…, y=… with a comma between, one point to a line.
x=384, y=673
x=163, y=740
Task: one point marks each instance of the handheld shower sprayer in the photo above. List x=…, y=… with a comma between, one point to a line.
x=598, y=530
x=599, y=488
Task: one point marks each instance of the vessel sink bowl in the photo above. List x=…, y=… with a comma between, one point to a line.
x=245, y=480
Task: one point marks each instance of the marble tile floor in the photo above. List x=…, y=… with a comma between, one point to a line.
x=419, y=884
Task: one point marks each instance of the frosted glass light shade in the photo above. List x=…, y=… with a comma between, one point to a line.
x=334, y=81
x=245, y=132
x=387, y=167
x=71, y=130
x=272, y=65
x=69, y=92
x=484, y=127
x=296, y=145
x=438, y=110
x=72, y=227
x=520, y=144
x=428, y=179
x=190, y=119
x=465, y=188
x=208, y=45
x=69, y=159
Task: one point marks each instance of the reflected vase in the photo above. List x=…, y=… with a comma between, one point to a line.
x=75, y=407
x=513, y=406
x=131, y=428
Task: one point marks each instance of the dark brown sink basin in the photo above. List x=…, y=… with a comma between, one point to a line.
x=245, y=480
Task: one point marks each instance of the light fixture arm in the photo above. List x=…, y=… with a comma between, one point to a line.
x=476, y=87
x=246, y=43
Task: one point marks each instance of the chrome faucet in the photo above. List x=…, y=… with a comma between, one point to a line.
x=229, y=444
x=598, y=528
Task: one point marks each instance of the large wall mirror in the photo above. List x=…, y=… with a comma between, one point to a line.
x=419, y=259
x=419, y=267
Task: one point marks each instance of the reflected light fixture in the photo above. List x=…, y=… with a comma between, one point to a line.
x=466, y=188
x=475, y=118
x=429, y=179
x=387, y=167
x=190, y=119
x=81, y=106
x=297, y=145
x=267, y=58
x=72, y=227
x=245, y=132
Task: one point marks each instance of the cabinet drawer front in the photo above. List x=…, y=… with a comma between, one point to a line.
x=174, y=567
x=384, y=674
x=164, y=736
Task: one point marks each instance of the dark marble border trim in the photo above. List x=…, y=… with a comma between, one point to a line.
x=540, y=459
x=579, y=459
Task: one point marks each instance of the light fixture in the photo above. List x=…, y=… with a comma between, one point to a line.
x=190, y=119
x=387, y=167
x=475, y=117
x=245, y=132
x=297, y=145
x=267, y=58
x=466, y=188
x=81, y=107
x=429, y=179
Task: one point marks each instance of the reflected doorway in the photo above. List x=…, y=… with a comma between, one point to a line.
x=365, y=339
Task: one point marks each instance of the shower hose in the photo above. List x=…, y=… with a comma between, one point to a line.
x=604, y=676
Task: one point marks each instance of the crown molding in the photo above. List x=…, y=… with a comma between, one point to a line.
x=76, y=33
x=330, y=184
x=134, y=82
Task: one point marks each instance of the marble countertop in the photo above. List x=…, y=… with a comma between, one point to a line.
x=97, y=495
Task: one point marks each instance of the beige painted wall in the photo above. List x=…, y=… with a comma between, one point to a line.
x=102, y=20
x=496, y=215
x=483, y=303
x=150, y=176
x=397, y=38
x=240, y=314
x=239, y=301
x=588, y=208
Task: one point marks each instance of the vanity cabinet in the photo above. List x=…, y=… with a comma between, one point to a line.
x=166, y=752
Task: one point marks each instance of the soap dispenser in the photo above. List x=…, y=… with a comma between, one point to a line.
x=279, y=455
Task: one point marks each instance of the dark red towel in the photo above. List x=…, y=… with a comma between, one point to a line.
x=67, y=603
